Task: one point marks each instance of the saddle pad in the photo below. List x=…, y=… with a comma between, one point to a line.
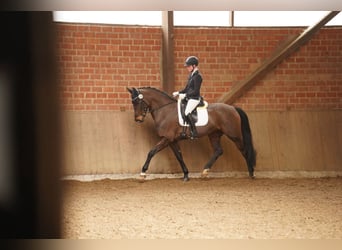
x=202, y=114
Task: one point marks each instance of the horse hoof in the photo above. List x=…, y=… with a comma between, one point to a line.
x=205, y=173
x=186, y=179
x=142, y=176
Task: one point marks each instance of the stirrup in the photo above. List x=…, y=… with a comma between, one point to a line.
x=193, y=133
x=192, y=136
x=183, y=135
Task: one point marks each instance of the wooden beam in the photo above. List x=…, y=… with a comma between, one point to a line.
x=281, y=54
x=167, y=60
x=231, y=19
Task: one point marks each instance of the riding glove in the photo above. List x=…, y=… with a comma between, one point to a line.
x=182, y=96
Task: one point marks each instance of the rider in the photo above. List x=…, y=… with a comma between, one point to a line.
x=191, y=92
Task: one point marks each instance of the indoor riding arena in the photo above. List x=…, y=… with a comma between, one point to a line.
x=288, y=80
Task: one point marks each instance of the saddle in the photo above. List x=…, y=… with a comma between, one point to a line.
x=194, y=112
x=199, y=114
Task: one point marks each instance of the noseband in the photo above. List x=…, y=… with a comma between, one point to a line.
x=140, y=100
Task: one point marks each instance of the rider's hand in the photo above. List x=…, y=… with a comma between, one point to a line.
x=182, y=96
x=175, y=93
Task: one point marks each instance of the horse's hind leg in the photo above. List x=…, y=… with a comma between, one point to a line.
x=240, y=146
x=216, y=144
x=176, y=150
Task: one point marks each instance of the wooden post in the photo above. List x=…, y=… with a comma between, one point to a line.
x=167, y=60
x=241, y=87
x=231, y=19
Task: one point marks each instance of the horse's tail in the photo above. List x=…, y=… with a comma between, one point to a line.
x=248, y=148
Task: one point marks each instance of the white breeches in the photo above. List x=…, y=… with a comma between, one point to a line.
x=192, y=103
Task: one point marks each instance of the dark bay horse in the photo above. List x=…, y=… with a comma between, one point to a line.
x=224, y=119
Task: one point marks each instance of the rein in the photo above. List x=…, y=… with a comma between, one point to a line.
x=145, y=106
x=162, y=106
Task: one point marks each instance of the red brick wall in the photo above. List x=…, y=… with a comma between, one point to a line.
x=97, y=62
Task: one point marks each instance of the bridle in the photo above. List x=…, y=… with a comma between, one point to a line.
x=139, y=99
x=142, y=103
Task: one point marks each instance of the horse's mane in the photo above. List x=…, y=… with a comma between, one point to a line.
x=161, y=92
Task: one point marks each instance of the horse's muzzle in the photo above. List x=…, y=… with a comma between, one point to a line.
x=139, y=118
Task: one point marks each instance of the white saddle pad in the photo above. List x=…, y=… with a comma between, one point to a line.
x=202, y=114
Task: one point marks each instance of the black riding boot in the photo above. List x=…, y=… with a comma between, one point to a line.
x=193, y=130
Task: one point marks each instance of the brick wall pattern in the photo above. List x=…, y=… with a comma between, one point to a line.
x=97, y=63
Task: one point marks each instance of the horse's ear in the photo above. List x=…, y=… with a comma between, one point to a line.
x=129, y=90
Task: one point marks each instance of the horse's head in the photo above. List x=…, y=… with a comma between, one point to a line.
x=140, y=106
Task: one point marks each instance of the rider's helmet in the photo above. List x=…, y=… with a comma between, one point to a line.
x=191, y=60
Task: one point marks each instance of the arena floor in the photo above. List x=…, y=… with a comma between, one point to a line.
x=212, y=208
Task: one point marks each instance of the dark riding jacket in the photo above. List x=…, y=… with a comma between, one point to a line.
x=192, y=88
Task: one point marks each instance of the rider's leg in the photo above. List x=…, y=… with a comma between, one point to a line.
x=192, y=126
x=192, y=104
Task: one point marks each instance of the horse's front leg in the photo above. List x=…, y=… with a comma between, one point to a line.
x=176, y=150
x=163, y=143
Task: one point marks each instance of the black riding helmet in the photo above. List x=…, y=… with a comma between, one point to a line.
x=191, y=60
